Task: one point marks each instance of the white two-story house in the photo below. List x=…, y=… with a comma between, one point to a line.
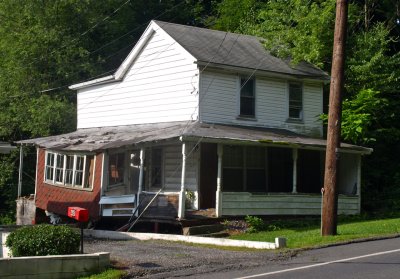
x=203, y=119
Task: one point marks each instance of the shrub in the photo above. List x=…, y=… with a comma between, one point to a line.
x=42, y=240
x=256, y=224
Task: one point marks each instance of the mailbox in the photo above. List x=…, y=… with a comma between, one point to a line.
x=78, y=213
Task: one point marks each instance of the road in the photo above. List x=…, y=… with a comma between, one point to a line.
x=365, y=260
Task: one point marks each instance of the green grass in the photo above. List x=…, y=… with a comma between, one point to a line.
x=306, y=232
x=108, y=274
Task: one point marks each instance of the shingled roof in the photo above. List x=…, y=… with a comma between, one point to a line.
x=96, y=139
x=237, y=50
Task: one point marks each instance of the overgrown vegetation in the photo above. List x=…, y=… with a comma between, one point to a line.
x=42, y=240
x=302, y=233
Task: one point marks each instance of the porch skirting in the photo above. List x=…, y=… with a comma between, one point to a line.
x=244, y=203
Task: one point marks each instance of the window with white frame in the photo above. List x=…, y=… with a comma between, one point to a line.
x=69, y=169
x=247, y=97
x=295, y=100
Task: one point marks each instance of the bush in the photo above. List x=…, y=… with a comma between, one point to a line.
x=42, y=240
x=256, y=224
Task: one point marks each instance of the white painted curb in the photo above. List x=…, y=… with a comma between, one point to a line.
x=279, y=242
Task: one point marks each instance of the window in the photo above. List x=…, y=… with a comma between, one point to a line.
x=50, y=166
x=295, y=101
x=69, y=170
x=244, y=169
x=116, y=168
x=156, y=167
x=247, y=97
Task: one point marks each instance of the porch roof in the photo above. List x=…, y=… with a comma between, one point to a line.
x=95, y=139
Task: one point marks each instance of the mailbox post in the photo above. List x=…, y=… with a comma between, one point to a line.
x=81, y=215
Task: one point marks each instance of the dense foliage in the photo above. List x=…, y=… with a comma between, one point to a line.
x=52, y=44
x=42, y=240
x=303, y=30
x=45, y=46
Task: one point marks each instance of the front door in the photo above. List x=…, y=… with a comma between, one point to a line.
x=208, y=175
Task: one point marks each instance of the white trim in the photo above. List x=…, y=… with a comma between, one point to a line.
x=92, y=82
x=182, y=194
x=63, y=183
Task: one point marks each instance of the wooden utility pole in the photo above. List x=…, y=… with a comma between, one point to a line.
x=329, y=210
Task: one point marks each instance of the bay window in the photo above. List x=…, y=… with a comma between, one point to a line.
x=70, y=170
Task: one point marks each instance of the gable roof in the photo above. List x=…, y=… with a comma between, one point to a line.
x=237, y=50
x=215, y=48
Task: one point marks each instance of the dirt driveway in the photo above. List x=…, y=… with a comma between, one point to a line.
x=163, y=259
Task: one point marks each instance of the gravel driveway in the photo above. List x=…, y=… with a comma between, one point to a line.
x=163, y=259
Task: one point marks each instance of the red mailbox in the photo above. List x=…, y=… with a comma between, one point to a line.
x=78, y=213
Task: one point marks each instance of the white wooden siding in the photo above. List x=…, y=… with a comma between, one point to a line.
x=219, y=103
x=282, y=204
x=160, y=86
x=173, y=168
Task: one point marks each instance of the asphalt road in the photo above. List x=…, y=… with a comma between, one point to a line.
x=161, y=259
x=365, y=260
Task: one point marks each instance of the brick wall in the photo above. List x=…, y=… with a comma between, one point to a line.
x=57, y=198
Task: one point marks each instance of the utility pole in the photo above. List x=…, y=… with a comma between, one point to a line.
x=329, y=210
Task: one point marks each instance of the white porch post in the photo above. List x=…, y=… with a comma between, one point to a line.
x=295, y=156
x=141, y=173
x=182, y=195
x=21, y=164
x=359, y=182
x=218, y=197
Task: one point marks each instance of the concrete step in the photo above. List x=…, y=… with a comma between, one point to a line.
x=202, y=230
x=216, y=235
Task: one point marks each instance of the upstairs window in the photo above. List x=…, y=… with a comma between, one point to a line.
x=247, y=97
x=295, y=101
x=69, y=170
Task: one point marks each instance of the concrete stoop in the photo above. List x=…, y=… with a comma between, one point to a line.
x=205, y=230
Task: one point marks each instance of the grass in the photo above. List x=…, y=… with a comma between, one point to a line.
x=108, y=274
x=306, y=233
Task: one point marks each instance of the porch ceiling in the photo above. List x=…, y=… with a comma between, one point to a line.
x=93, y=139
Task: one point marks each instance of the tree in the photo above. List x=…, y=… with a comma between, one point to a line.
x=46, y=46
x=303, y=30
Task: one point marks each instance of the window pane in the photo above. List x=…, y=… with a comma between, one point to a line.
x=50, y=166
x=89, y=170
x=79, y=170
x=116, y=168
x=69, y=169
x=295, y=100
x=59, y=168
x=247, y=97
